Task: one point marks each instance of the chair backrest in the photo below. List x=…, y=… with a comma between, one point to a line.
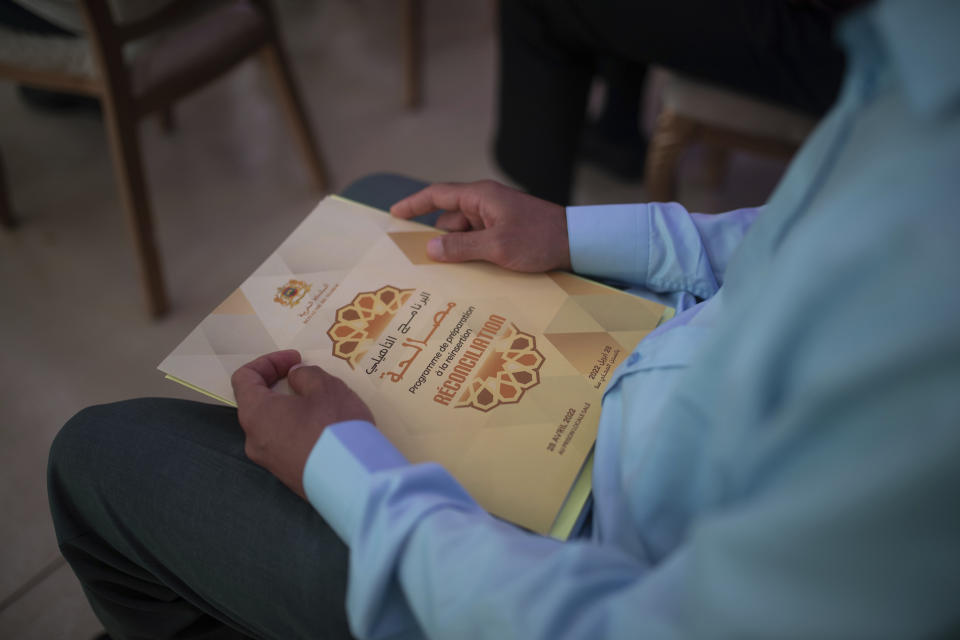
x=110, y=37
x=140, y=23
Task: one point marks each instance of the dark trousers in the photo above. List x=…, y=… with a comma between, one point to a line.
x=773, y=49
x=174, y=533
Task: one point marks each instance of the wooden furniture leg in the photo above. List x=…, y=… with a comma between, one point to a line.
x=411, y=54
x=6, y=210
x=671, y=135
x=120, y=117
x=717, y=161
x=128, y=167
x=279, y=69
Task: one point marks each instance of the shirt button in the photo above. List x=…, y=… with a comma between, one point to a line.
x=632, y=360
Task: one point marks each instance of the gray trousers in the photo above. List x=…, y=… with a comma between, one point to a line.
x=174, y=533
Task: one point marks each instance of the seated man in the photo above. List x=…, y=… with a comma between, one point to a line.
x=780, y=459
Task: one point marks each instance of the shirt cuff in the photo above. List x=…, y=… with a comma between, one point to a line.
x=610, y=241
x=339, y=470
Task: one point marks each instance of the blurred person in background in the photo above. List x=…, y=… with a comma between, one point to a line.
x=778, y=460
x=782, y=51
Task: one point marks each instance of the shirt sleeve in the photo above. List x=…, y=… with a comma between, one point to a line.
x=425, y=559
x=657, y=245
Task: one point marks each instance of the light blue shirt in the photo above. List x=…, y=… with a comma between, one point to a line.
x=780, y=460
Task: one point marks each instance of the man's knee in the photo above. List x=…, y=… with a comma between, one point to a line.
x=83, y=434
x=76, y=435
x=73, y=463
x=106, y=435
x=122, y=437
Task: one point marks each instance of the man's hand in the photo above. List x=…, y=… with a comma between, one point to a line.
x=281, y=429
x=492, y=222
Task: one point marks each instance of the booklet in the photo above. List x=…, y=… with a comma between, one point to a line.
x=496, y=375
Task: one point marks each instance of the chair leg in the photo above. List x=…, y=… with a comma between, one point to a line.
x=412, y=59
x=717, y=161
x=279, y=69
x=672, y=134
x=128, y=167
x=6, y=211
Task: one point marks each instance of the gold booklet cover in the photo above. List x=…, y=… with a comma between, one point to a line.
x=494, y=374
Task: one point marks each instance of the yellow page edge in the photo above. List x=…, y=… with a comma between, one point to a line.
x=575, y=502
x=199, y=390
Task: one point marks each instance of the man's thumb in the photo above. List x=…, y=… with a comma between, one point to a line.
x=458, y=247
x=306, y=379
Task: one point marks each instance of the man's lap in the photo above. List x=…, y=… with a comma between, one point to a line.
x=165, y=485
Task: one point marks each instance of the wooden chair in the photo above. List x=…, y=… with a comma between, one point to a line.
x=182, y=47
x=694, y=111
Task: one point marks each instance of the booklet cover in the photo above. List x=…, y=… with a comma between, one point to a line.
x=496, y=375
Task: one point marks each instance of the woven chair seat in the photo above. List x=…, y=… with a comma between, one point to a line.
x=158, y=64
x=71, y=56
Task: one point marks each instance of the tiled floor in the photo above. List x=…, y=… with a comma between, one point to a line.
x=227, y=187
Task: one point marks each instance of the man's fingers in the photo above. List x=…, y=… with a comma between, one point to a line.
x=304, y=380
x=453, y=196
x=413, y=205
x=436, y=196
x=452, y=221
x=259, y=375
x=460, y=247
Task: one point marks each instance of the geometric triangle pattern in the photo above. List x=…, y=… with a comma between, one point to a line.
x=577, y=286
x=327, y=253
x=597, y=325
x=619, y=312
x=237, y=334
x=196, y=344
x=413, y=244
x=572, y=317
x=588, y=352
x=236, y=304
